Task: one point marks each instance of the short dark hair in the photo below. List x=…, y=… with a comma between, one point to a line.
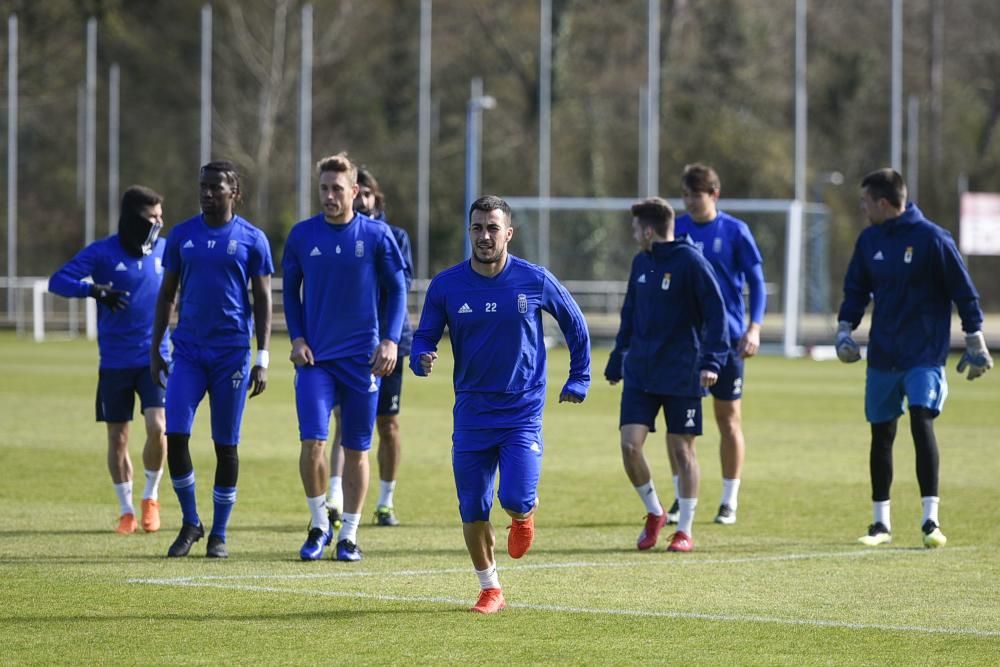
x=489, y=203
x=699, y=177
x=367, y=180
x=138, y=197
x=656, y=213
x=886, y=184
x=229, y=173
x=339, y=163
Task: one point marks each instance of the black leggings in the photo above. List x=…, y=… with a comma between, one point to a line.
x=925, y=447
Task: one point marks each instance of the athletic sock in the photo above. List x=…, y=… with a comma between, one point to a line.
x=124, y=493
x=880, y=512
x=335, y=494
x=223, y=499
x=647, y=492
x=930, y=504
x=730, y=492
x=686, y=519
x=488, y=578
x=317, y=509
x=349, y=527
x=385, y=490
x=677, y=486
x=152, y=490
x=184, y=488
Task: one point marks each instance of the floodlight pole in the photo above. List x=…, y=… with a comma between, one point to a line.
x=896, y=122
x=473, y=144
x=424, y=145
x=205, y=150
x=114, y=127
x=11, y=162
x=305, y=114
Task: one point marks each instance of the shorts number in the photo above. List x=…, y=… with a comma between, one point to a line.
x=491, y=307
x=691, y=413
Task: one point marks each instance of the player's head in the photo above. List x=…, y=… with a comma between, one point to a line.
x=490, y=229
x=338, y=187
x=140, y=220
x=883, y=195
x=219, y=188
x=700, y=188
x=652, y=222
x=370, y=199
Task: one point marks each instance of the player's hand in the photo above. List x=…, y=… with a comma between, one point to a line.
x=708, y=378
x=750, y=341
x=427, y=360
x=158, y=368
x=258, y=380
x=302, y=354
x=569, y=397
x=613, y=371
x=383, y=359
x=115, y=299
x=848, y=350
x=976, y=357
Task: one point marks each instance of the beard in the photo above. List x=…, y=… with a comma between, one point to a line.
x=488, y=255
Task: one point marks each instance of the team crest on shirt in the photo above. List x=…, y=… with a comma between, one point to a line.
x=908, y=255
x=665, y=283
x=338, y=248
x=717, y=244
x=359, y=249
x=522, y=303
x=231, y=248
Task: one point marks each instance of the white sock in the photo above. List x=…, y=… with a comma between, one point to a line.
x=880, y=512
x=730, y=491
x=385, y=490
x=152, y=490
x=335, y=494
x=349, y=527
x=648, y=495
x=687, y=506
x=488, y=578
x=124, y=493
x=930, y=504
x=677, y=486
x=317, y=509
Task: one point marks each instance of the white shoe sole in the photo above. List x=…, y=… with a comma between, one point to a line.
x=875, y=540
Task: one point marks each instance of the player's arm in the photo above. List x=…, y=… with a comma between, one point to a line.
x=750, y=341
x=616, y=361
x=261, y=287
x=161, y=318
x=291, y=299
x=68, y=281
x=715, y=339
x=857, y=294
x=391, y=278
x=962, y=292
x=433, y=318
x=558, y=301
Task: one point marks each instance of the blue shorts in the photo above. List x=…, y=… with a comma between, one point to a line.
x=729, y=386
x=116, y=390
x=391, y=390
x=924, y=386
x=224, y=372
x=682, y=413
x=475, y=457
x=348, y=383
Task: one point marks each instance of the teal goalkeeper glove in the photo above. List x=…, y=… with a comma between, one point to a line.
x=848, y=350
x=976, y=357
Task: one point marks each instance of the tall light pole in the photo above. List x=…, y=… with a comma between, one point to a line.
x=473, y=143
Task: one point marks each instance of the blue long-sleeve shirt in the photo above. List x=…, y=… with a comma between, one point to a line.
x=495, y=326
x=123, y=336
x=331, y=282
x=673, y=322
x=730, y=248
x=406, y=334
x=912, y=270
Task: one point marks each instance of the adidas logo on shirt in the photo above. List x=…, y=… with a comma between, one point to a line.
x=878, y=256
x=642, y=278
x=315, y=252
x=121, y=267
x=188, y=244
x=465, y=308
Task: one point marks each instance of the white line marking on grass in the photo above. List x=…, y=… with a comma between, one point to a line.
x=724, y=618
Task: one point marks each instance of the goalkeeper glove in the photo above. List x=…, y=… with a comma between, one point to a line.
x=847, y=349
x=976, y=357
x=115, y=299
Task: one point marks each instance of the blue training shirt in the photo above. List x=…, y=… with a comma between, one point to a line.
x=673, y=322
x=730, y=248
x=123, y=337
x=332, y=277
x=215, y=265
x=913, y=271
x=495, y=327
x=406, y=334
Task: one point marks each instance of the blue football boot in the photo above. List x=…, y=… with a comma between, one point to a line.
x=348, y=551
x=314, y=545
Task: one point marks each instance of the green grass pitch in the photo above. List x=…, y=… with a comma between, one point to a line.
x=787, y=585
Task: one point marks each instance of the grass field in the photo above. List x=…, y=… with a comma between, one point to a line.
x=786, y=585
